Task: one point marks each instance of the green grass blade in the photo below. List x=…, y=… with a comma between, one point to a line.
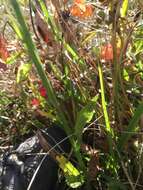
x=37, y=62
x=33, y=51
x=107, y=122
x=110, y=133
x=124, y=8
x=15, y=27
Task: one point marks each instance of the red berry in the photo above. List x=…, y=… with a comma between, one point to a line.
x=42, y=91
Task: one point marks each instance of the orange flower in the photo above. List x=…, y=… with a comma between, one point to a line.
x=81, y=9
x=89, y=11
x=107, y=52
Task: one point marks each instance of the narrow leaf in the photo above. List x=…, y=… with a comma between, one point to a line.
x=23, y=72
x=73, y=177
x=85, y=116
x=124, y=8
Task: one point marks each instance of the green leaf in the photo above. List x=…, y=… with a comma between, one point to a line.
x=124, y=8
x=132, y=127
x=85, y=116
x=73, y=177
x=23, y=72
x=126, y=75
x=13, y=57
x=13, y=23
x=89, y=37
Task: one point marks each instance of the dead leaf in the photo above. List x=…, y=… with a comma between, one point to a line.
x=4, y=54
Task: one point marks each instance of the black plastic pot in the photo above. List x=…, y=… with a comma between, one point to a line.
x=17, y=168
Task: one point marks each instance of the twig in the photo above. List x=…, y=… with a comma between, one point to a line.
x=125, y=171
x=32, y=22
x=5, y=147
x=140, y=167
